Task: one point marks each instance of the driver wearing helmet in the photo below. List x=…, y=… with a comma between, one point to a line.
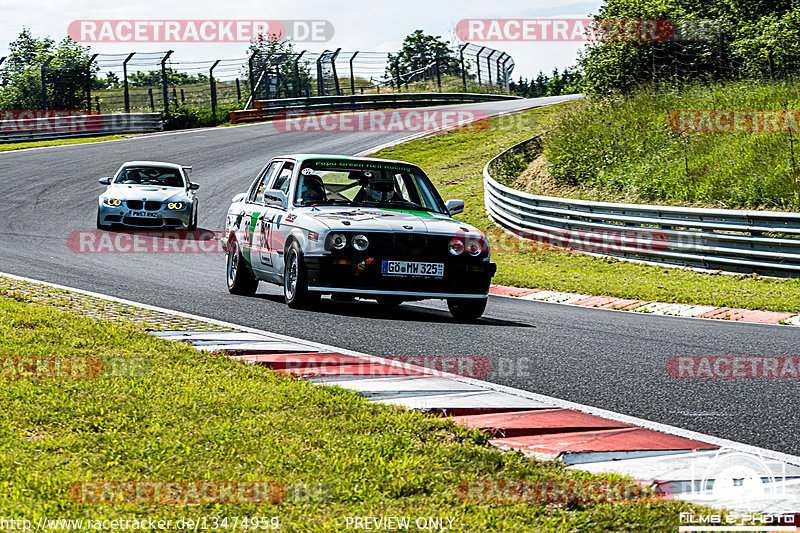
x=375, y=188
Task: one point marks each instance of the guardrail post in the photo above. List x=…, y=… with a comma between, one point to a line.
x=478, y=61
x=164, y=81
x=125, y=93
x=463, y=70
x=335, y=75
x=213, y=87
x=352, y=78
x=297, y=73
x=89, y=83
x=44, y=82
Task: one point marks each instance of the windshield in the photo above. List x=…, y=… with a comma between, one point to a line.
x=366, y=184
x=159, y=176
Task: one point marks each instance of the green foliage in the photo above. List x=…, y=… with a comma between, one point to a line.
x=65, y=75
x=567, y=82
x=420, y=50
x=622, y=144
x=153, y=78
x=192, y=117
x=276, y=57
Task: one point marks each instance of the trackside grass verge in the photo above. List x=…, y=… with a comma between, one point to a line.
x=201, y=416
x=7, y=147
x=455, y=161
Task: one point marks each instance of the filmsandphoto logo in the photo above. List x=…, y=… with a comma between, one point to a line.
x=199, y=31
x=565, y=29
x=49, y=121
x=407, y=120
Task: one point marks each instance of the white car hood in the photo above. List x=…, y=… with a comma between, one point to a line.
x=146, y=192
x=384, y=219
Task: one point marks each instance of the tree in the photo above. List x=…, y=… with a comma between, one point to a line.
x=420, y=51
x=65, y=76
x=275, y=60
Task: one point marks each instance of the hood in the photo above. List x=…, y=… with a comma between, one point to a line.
x=385, y=219
x=148, y=192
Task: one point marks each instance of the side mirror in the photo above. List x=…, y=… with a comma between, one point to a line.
x=454, y=207
x=105, y=181
x=275, y=197
x=194, y=186
x=239, y=197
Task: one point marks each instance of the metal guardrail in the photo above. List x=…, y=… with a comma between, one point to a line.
x=265, y=109
x=65, y=125
x=739, y=241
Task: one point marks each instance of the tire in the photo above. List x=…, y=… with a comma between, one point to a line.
x=240, y=278
x=389, y=302
x=99, y=225
x=295, y=281
x=466, y=309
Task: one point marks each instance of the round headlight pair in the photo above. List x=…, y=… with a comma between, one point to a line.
x=472, y=246
x=175, y=205
x=339, y=241
x=112, y=202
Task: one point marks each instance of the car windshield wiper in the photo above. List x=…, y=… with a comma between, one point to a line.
x=399, y=204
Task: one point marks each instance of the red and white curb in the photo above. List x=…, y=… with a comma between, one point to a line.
x=687, y=465
x=648, y=307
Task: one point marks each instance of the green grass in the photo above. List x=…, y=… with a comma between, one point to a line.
x=622, y=145
x=5, y=147
x=455, y=160
x=201, y=416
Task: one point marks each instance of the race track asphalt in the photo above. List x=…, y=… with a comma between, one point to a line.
x=606, y=359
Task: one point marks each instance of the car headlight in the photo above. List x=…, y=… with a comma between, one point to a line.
x=475, y=247
x=176, y=205
x=338, y=241
x=112, y=202
x=456, y=246
x=360, y=242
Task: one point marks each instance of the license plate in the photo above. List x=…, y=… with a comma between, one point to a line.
x=144, y=214
x=412, y=268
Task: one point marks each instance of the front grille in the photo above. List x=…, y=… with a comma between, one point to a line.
x=135, y=204
x=141, y=221
x=408, y=245
x=152, y=206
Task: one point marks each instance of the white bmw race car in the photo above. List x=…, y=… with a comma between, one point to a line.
x=148, y=194
x=354, y=227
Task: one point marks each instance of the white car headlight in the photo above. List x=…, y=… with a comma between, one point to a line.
x=338, y=241
x=360, y=242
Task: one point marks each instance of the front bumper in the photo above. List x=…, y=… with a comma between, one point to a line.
x=356, y=275
x=164, y=218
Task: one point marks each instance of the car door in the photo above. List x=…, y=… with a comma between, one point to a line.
x=253, y=215
x=270, y=240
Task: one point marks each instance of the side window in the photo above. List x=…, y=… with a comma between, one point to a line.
x=257, y=194
x=283, y=179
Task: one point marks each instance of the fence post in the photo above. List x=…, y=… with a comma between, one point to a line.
x=478, y=61
x=489, y=65
x=507, y=74
x=89, y=83
x=499, y=80
x=238, y=92
x=152, y=102
x=297, y=74
x=335, y=75
x=463, y=70
x=438, y=72
x=44, y=83
x=352, y=79
x=320, y=83
x=250, y=70
x=213, y=87
x=397, y=72
x=164, y=81
x=183, y=100
x=125, y=92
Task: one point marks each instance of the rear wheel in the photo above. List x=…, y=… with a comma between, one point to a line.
x=466, y=309
x=295, y=281
x=240, y=278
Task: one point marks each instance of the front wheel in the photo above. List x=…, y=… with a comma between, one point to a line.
x=240, y=278
x=193, y=222
x=99, y=225
x=466, y=309
x=295, y=282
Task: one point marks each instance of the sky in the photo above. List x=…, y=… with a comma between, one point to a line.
x=375, y=25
